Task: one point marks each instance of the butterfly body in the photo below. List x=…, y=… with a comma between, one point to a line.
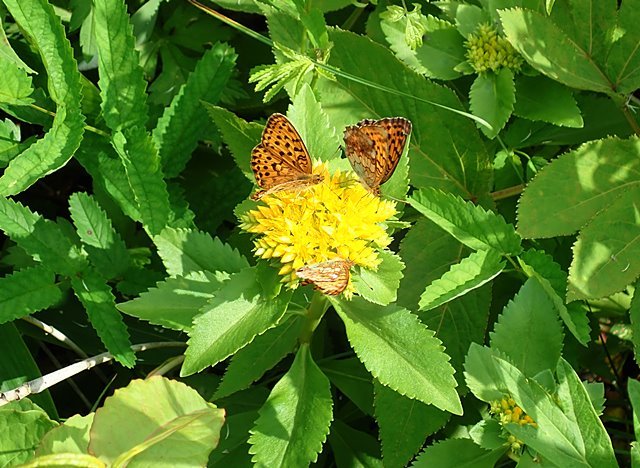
x=330, y=277
x=281, y=160
x=374, y=147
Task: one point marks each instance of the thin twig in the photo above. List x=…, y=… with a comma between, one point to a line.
x=507, y=193
x=166, y=366
x=57, y=334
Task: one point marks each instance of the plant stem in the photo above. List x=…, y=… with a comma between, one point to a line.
x=633, y=123
x=317, y=307
x=507, y=193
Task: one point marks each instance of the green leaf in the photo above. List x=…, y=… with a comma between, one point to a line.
x=623, y=59
x=181, y=124
x=44, y=30
x=107, y=251
x=22, y=426
x=233, y=449
x=492, y=97
x=539, y=98
x=158, y=419
x=240, y=311
x=294, y=421
x=567, y=185
x=70, y=437
x=16, y=84
x=380, y=286
x=352, y=379
x=458, y=452
x=436, y=158
x=184, y=250
x=27, y=291
x=7, y=53
x=404, y=424
x=472, y=272
x=634, y=315
x=633, y=389
x=100, y=303
x=10, y=144
x=353, y=448
x=470, y=224
x=174, y=302
x=531, y=317
x=606, y=252
x=40, y=238
x=400, y=352
x=256, y=358
x=558, y=56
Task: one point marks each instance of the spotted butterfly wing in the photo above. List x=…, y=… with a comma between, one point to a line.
x=374, y=148
x=330, y=277
x=281, y=160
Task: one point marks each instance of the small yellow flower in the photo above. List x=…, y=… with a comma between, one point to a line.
x=507, y=411
x=337, y=218
x=487, y=50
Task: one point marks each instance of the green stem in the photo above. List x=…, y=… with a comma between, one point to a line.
x=317, y=307
x=633, y=123
x=507, y=193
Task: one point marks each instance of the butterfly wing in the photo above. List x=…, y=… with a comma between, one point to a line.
x=330, y=277
x=281, y=155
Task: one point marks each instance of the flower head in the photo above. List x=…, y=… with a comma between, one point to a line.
x=337, y=218
x=488, y=50
x=507, y=411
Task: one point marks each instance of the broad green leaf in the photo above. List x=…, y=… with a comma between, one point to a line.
x=380, y=286
x=107, y=251
x=437, y=158
x=100, y=303
x=7, y=52
x=488, y=434
x=633, y=389
x=634, y=315
x=259, y=356
x=65, y=459
x=467, y=17
x=404, y=424
x=539, y=98
x=393, y=25
x=353, y=448
x=491, y=97
x=182, y=123
x=240, y=136
x=240, y=311
x=309, y=118
x=595, y=390
x=70, y=437
x=44, y=31
x=184, y=250
x=16, y=86
x=400, y=352
x=44, y=240
x=352, y=379
x=22, y=425
x=472, y=225
x=174, y=302
x=294, y=421
x=569, y=185
x=558, y=56
x=157, y=419
x=472, y=272
x=10, y=141
x=606, y=252
x=26, y=291
x=623, y=59
x=531, y=317
x=452, y=453
x=441, y=53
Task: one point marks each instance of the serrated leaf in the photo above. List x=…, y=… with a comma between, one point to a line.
x=354, y=448
x=174, y=302
x=43, y=28
x=16, y=84
x=470, y=224
x=633, y=389
x=472, y=272
x=352, y=379
x=404, y=424
x=294, y=421
x=488, y=434
x=70, y=437
x=539, y=98
x=259, y=356
x=380, y=286
x=159, y=419
x=400, y=352
x=181, y=124
x=106, y=249
x=567, y=185
x=623, y=59
x=491, y=97
x=22, y=426
x=7, y=52
x=634, y=315
x=453, y=453
x=27, y=291
x=606, y=251
x=239, y=312
x=531, y=317
x=42, y=239
x=184, y=250
x=100, y=303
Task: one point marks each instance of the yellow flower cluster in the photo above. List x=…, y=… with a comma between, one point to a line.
x=337, y=218
x=487, y=50
x=508, y=411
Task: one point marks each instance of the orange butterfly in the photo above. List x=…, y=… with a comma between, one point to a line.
x=281, y=161
x=374, y=148
x=330, y=277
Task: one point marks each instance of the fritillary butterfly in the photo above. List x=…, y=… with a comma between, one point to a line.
x=374, y=148
x=281, y=160
x=330, y=277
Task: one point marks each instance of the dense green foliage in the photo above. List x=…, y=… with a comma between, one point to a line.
x=502, y=325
